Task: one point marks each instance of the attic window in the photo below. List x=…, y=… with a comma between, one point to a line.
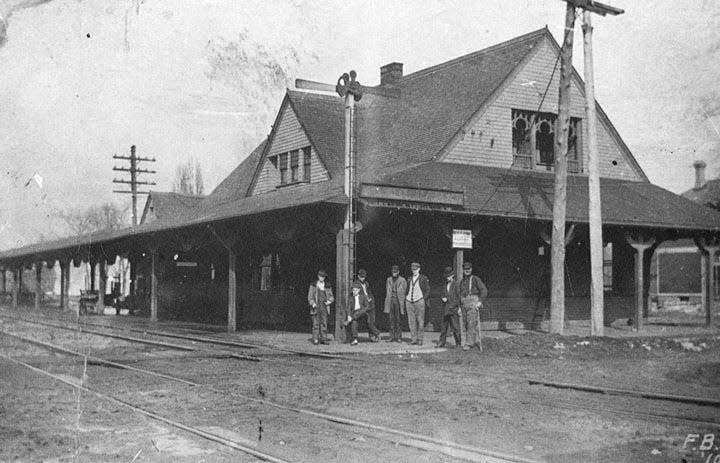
x=294, y=168
x=306, y=163
x=283, y=161
x=533, y=140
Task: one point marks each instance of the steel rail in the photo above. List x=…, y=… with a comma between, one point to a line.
x=453, y=449
x=155, y=416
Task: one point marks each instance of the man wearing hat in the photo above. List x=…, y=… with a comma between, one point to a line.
x=418, y=292
x=374, y=333
x=451, y=305
x=472, y=293
x=320, y=296
x=395, y=290
x=357, y=307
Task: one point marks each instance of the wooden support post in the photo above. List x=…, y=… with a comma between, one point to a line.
x=640, y=245
x=4, y=280
x=102, y=285
x=232, y=293
x=38, y=284
x=16, y=287
x=62, y=284
x=557, y=251
x=459, y=259
x=66, y=284
x=92, y=274
x=709, y=282
x=342, y=280
x=153, y=285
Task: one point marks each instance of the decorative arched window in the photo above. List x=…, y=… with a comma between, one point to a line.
x=533, y=140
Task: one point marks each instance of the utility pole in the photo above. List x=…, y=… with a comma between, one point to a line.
x=597, y=302
x=557, y=250
x=133, y=182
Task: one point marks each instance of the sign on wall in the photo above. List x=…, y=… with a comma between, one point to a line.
x=462, y=239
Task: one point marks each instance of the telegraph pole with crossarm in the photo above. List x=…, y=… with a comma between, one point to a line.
x=133, y=182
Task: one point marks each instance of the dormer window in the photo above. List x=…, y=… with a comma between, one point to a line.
x=533, y=137
x=294, y=166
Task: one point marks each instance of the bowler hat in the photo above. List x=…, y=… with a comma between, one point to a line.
x=362, y=272
x=321, y=273
x=356, y=285
x=395, y=268
x=467, y=265
x=448, y=271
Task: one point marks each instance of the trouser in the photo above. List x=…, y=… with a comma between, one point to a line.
x=372, y=329
x=470, y=327
x=450, y=321
x=319, y=321
x=416, y=319
x=352, y=330
x=395, y=329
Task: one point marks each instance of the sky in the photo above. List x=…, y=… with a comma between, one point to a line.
x=82, y=80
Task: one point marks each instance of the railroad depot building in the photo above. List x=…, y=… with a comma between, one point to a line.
x=466, y=144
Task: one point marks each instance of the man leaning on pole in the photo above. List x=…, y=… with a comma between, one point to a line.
x=472, y=294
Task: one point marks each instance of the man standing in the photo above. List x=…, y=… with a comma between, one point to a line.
x=451, y=306
x=374, y=333
x=395, y=290
x=320, y=297
x=472, y=293
x=418, y=293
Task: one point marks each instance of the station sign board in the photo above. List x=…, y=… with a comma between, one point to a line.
x=462, y=239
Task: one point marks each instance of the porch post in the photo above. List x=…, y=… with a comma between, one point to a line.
x=62, y=284
x=38, y=284
x=232, y=293
x=459, y=259
x=153, y=285
x=102, y=283
x=4, y=280
x=66, y=284
x=16, y=287
x=92, y=274
x=640, y=245
x=709, y=282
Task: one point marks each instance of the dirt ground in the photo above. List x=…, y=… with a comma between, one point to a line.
x=472, y=398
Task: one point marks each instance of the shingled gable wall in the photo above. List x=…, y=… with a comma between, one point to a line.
x=288, y=136
x=491, y=142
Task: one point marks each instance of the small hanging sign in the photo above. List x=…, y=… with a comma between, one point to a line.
x=462, y=239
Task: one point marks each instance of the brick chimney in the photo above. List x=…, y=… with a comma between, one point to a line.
x=391, y=73
x=699, y=174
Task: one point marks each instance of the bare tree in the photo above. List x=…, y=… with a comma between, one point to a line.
x=189, y=179
x=106, y=216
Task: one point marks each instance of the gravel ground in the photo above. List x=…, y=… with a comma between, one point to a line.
x=472, y=398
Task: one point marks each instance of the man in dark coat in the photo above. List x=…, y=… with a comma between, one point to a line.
x=320, y=296
x=416, y=299
x=451, y=309
x=374, y=333
x=395, y=290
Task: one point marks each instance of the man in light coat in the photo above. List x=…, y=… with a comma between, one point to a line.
x=416, y=300
x=395, y=290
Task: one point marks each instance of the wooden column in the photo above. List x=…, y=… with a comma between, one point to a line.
x=232, y=293
x=709, y=250
x=640, y=245
x=92, y=274
x=459, y=259
x=341, y=283
x=16, y=287
x=38, y=284
x=4, y=280
x=102, y=283
x=62, y=284
x=153, y=285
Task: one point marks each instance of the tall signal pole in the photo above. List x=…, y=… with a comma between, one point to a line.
x=133, y=182
x=597, y=302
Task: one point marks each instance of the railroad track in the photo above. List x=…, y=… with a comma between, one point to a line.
x=542, y=400
x=391, y=436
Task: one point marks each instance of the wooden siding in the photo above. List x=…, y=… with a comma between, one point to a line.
x=288, y=136
x=488, y=139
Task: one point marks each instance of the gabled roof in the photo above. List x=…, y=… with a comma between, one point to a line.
x=529, y=195
x=169, y=206
x=235, y=186
x=707, y=195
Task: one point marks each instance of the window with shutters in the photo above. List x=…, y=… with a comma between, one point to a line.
x=294, y=166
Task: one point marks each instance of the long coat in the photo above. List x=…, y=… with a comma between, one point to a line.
x=313, y=296
x=401, y=292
